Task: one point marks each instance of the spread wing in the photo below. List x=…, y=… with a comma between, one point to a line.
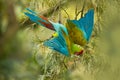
x=58, y=43
x=86, y=23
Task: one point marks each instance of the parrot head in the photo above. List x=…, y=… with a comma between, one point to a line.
x=79, y=53
x=77, y=49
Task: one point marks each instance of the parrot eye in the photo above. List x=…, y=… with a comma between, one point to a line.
x=79, y=53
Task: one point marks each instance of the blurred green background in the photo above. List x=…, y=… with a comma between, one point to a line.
x=23, y=56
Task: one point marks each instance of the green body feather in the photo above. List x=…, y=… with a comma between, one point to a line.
x=72, y=47
x=75, y=48
x=75, y=34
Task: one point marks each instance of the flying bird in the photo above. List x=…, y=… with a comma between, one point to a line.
x=68, y=39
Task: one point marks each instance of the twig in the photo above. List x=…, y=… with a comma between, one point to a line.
x=77, y=14
x=76, y=9
x=81, y=11
x=64, y=63
x=66, y=12
x=60, y=14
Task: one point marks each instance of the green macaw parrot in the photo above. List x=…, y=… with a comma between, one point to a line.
x=67, y=39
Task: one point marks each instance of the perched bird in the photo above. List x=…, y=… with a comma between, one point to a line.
x=67, y=39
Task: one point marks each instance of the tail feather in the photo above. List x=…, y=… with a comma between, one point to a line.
x=41, y=20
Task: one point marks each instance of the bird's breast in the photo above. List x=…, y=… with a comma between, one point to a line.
x=77, y=36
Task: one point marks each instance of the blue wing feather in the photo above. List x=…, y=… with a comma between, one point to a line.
x=58, y=43
x=86, y=23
